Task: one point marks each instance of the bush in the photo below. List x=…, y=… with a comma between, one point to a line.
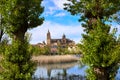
x=16, y=63
x=40, y=51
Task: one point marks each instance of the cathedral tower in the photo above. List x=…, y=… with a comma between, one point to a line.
x=48, y=38
x=64, y=39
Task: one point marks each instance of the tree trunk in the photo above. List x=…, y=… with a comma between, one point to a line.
x=19, y=34
x=1, y=34
x=101, y=73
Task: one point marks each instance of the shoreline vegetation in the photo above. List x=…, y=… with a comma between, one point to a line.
x=51, y=59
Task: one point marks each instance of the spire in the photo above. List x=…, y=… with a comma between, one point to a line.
x=64, y=36
x=48, y=38
x=48, y=34
x=48, y=31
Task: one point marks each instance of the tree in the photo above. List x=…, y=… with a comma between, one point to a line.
x=19, y=16
x=100, y=48
x=101, y=51
x=16, y=63
x=90, y=10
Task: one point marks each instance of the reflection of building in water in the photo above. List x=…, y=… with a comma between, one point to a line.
x=54, y=44
x=66, y=71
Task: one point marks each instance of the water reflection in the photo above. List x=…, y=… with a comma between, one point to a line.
x=63, y=71
x=77, y=70
x=41, y=72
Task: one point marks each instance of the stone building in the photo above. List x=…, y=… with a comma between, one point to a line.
x=55, y=43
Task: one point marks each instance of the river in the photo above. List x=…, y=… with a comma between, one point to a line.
x=63, y=71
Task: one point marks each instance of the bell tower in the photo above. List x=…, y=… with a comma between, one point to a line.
x=64, y=38
x=48, y=38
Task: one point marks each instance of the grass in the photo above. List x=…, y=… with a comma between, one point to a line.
x=43, y=59
x=54, y=59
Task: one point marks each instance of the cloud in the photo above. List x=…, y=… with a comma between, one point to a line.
x=50, y=11
x=60, y=3
x=53, y=6
x=60, y=14
x=49, y=7
x=72, y=32
x=53, y=14
x=57, y=30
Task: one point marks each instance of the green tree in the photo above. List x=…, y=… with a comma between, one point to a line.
x=16, y=63
x=91, y=10
x=19, y=16
x=101, y=51
x=100, y=48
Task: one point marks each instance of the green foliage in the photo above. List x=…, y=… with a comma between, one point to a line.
x=20, y=15
x=2, y=27
x=69, y=50
x=90, y=10
x=46, y=51
x=40, y=51
x=73, y=50
x=91, y=74
x=21, y=12
x=16, y=63
x=3, y=44
x=101, y=49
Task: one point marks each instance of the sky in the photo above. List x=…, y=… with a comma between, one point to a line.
x=58, y=22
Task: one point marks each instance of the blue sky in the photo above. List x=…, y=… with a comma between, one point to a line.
x=58, y=22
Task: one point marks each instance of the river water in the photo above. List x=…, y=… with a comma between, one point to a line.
x=63, y=71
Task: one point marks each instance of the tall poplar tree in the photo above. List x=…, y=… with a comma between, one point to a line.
x=100, y=48
x=19, y=16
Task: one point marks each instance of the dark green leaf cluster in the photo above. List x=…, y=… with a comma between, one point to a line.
x=93, y=8
x=16, y=63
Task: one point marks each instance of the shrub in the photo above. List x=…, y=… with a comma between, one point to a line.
x=16, y=63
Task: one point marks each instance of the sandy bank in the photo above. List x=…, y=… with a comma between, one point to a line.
x=42, y=59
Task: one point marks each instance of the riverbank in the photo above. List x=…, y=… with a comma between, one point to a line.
x=42, y=59
x=50, y=59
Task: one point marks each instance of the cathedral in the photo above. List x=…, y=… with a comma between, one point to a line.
x=55, y=43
